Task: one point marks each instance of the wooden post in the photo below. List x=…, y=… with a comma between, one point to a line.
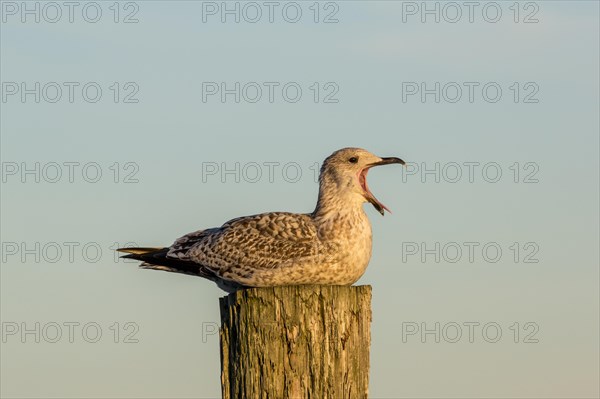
x=296, y=342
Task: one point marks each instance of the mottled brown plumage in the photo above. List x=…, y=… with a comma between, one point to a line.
x=331, y=245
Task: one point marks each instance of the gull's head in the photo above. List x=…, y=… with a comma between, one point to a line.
x=344, y=174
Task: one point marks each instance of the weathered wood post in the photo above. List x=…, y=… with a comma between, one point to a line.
x=296, y=342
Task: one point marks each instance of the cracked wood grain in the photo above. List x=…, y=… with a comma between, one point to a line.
x=295, y=342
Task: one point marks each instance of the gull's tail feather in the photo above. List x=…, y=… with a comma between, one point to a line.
x=156, y=259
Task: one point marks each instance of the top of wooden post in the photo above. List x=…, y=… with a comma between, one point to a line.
x=289, y=342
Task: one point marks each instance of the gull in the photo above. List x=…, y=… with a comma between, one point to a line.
x=330, y=246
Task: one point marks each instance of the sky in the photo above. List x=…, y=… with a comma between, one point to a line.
x=134, y=123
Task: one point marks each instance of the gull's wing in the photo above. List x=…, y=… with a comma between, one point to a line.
x=246, y=244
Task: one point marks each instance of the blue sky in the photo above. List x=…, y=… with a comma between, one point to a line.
x=162, y=143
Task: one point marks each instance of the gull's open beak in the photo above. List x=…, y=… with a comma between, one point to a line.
x=363, y=180
x=387, y=161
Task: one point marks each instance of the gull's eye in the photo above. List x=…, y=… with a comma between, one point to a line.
x=353, y=160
